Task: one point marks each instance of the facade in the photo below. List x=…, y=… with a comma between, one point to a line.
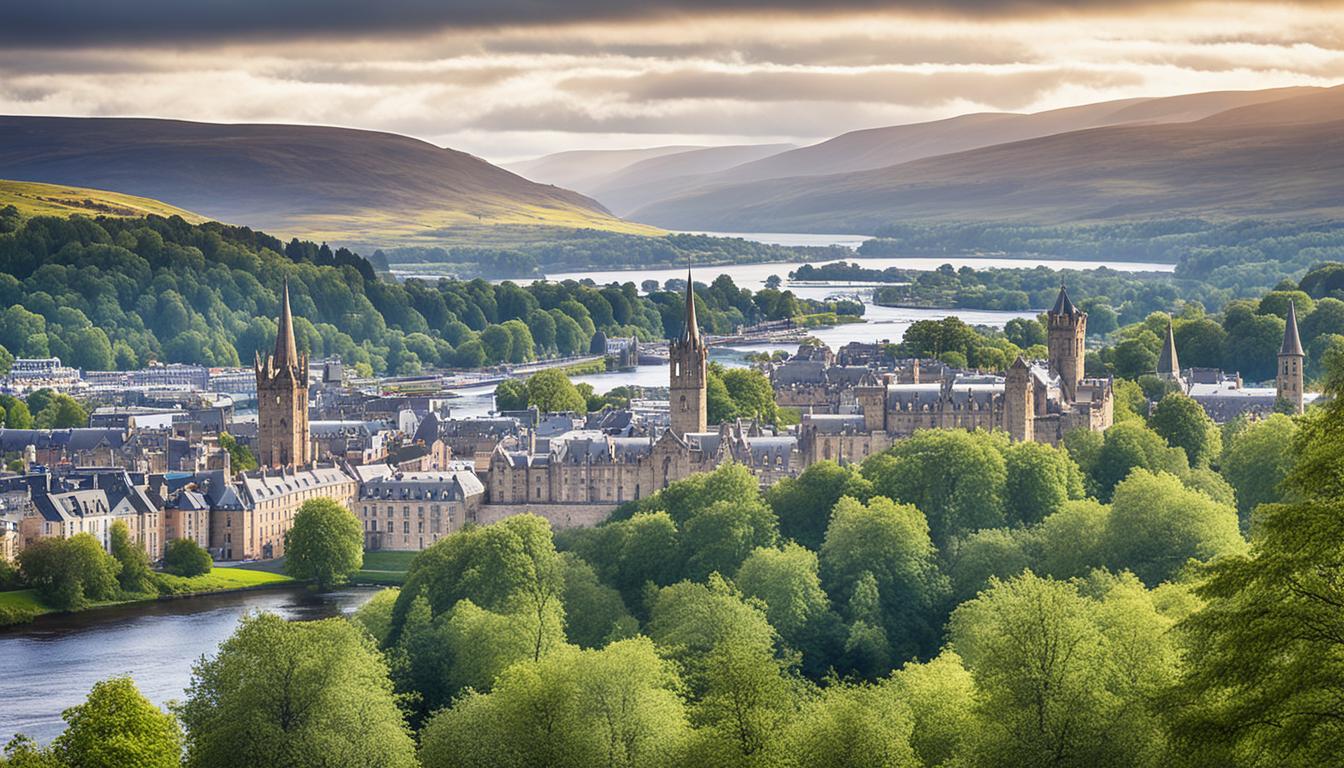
x=688, y=359
x=250, y=524
x=413, y=510
x=282, y=399
x=91, y=501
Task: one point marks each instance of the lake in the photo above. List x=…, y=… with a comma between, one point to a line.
x=50, y=665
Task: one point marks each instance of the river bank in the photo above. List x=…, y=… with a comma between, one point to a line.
x=23, y=606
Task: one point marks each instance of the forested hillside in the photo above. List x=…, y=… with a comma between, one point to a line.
x=118, y=293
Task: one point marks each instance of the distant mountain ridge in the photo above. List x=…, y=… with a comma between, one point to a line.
x=357, y=187
x=1266, y=153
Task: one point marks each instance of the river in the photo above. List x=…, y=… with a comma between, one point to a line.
x=50, y=665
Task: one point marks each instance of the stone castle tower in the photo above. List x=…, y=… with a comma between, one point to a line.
x=1289, y=381
x=689, y=362
x=282, y=399
x=1019, y=405
x=1067, y=330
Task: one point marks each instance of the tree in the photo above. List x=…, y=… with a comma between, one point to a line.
x=61, y=412
x=497, y=343
x=69, y=573
x=1129, y=446
x=17, y=415
x=240, y=456
x=552, y=392
x=595, y=614
x=135, y=575
x=302, y=694
x=803, y=504
x=849, y=726
x=788, y=582
x=1072, y=541
x=375, y=615
x=955, y=477
x=719, y=405
x=941, y=696
x=511, y=395
x=1237, y=703
x=987, y=554
x=187, y=558
x=1183, y=424
x=725, y=649
x=1039, y=479
x=325, y=544
x=613, y=707
x=1257, y=460
x=719, y=538
x=891, y=542
x=1065, y=677
x=117, y=726
x=751, y=393
x=1157, y=524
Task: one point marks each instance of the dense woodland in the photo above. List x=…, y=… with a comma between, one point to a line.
x=1165, y=594
x=119, y=293
x=586, y=249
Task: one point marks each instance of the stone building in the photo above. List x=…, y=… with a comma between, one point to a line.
x=91, y=501
x=688, y=360
x=413, y=510
x=250, y=522
x=282, y=399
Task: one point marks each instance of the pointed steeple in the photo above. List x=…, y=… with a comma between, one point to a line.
x=692, y=331
x=1292, y=343
x=1167, y=362
x=286, y=351
x=1062, y=304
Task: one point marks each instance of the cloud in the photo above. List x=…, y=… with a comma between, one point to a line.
x=102, y=22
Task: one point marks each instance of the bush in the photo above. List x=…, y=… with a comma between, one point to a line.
x=70, y=573
x=187, y=558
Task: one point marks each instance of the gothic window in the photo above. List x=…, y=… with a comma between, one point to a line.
x=683, y=403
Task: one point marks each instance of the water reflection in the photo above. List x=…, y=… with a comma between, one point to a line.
x=50, y=665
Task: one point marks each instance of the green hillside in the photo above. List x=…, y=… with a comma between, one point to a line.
x=34, y=199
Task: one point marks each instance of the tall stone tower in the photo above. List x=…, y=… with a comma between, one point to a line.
x=282, y=399
x=1019, y=405
x=1289, y=381
x=1067, y=329
x=689, y=362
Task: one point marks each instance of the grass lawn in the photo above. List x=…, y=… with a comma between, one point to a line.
x=222, y=578
x=23, y=600
x=386, y=568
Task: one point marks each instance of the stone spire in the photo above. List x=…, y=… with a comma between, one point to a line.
x=1292, y=343
x=1062, y=304
x=1168, y=365
x=286, y=351
x=691, y=333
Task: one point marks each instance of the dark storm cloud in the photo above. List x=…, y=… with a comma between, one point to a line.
x=102, y=22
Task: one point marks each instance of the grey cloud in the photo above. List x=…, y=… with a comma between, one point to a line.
x=174, y=22
x=1010, y=90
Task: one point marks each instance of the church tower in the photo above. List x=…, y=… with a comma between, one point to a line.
x=282, y=398
x=1168, y=364
x=689, y=361
x=1067, y=329
x=1019, y=406
x=1289, y=381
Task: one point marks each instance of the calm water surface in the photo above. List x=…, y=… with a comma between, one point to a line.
x=51, y=664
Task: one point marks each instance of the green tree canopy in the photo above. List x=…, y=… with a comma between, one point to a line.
x=115, y=726
x=303, y=694
x=70, y=573
x=1183, y=424
x=185, y=557
x=325, y=544
x=552, y=392
x=1157, y=524
x=135, y=575
x=803, y=504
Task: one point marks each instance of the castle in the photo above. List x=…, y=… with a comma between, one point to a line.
x=1031, y=402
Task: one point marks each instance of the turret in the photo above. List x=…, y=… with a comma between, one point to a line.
x=1066, y=332
x=1019, y=407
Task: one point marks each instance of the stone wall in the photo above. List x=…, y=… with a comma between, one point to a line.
x=559, y=515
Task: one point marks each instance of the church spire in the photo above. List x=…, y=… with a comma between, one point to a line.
x=1292, y=343
x=1167, y=363
x=692, y=331
x=286, y=351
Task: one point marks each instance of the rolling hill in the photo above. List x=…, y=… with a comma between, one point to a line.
x=586, y=169
x=1278, y=158
x=34, y=199
x=359, y=188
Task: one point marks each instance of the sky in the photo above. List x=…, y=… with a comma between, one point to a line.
x=511, y=79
